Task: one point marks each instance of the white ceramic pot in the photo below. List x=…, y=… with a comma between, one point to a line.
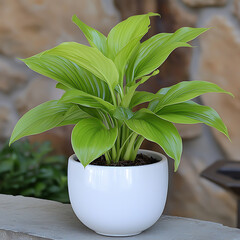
x=118, y=201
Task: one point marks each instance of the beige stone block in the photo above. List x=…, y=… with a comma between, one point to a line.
x=236, y=8
x=10, y=77
x=30, y=26
x=39, y=90
x=219, y=63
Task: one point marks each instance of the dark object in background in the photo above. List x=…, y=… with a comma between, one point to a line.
x=227, y=175
x=29, y=170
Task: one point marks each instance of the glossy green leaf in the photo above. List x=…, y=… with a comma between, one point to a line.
x=44, y=117
x=184, y=91
x=154, y=51
x=94, y=37
x=124, y=32
x=69, y=74
x=157, y=130
x=190, y=113
x=122, y=113
x=79, y=97
x=91, y=139
x=91, y=59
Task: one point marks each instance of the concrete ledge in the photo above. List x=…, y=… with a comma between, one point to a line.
x=23, y=218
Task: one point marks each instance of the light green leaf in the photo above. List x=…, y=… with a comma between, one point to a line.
x=153, y=60
x=94, y=37
x=142, y=97
x=131, y=90
x=91, y=139
x=122, y=58
x=69, y=74
x=157, y=130
x=44, y=117
x=182, y=92
x=79, y=97
x=190, y=113
x=73, y=115
x=91, y=59
x=124, y=32
x=154, y=51
x=62, y=87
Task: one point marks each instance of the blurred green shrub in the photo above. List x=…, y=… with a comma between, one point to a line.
x=30, y=170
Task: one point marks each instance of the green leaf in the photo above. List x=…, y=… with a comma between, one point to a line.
x=131, y=90
x=122, y=113
x=124, y=32
x=68, y=73
x=157, y=130
x=73, y=115
x=44, y=117
x=79, y=97
x=154, y=51
x=62, y=87
x=182, y=92
x=122, y=58
x=94, y=37
x=87, y=139
x=91, y=59
x=142, y=97
x=190, y=113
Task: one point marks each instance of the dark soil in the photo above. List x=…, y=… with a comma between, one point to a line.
x=140, y=160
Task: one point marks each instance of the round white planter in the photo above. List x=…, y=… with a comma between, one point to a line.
x=118, y=201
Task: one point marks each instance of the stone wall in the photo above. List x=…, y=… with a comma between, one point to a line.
x=30, y=26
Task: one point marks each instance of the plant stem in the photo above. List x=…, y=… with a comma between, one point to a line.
x=127, y=133
x=107, y=157
x=130, y=148
x=113, y=97
x=122, y=147
x=138, y=144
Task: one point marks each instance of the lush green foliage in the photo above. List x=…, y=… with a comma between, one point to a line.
x=100, y=85
x=29, y=170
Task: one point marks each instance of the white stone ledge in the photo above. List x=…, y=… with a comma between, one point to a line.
x=23, y=218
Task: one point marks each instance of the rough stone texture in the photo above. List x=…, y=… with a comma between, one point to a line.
x=39, y=90
x=194, y=196
x=10, y=77
x=36, y=25
x=9, y=235
x=219, y=63
x=204, y=3
x=51, y=220
x=236, y=8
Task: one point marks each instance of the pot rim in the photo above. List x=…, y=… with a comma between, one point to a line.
x=161, y=161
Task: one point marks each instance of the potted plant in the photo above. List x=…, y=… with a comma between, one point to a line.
x=115, y=188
